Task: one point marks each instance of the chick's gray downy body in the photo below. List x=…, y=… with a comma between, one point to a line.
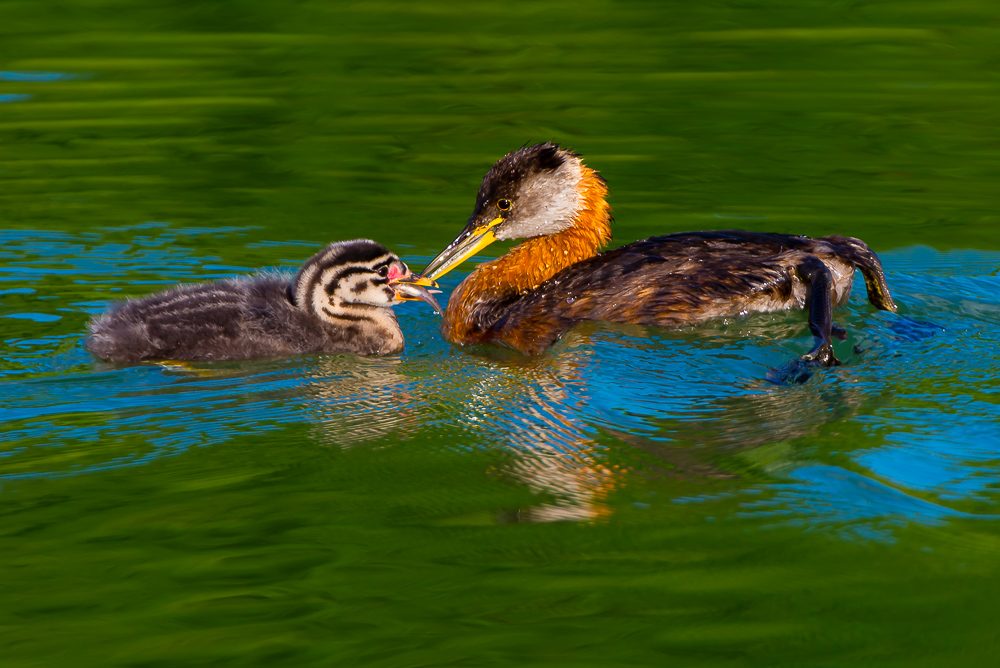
x=339, y=301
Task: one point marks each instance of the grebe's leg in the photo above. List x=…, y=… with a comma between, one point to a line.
x=812, y=270
x=821, y=324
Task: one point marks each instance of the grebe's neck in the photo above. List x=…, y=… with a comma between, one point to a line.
x=528, y=265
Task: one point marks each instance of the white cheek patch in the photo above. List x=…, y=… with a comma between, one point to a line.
x=546, y=203
x=352, y=289
x=320, y=301
x=362, y=291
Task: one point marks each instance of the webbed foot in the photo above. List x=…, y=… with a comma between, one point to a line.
x=822, y=355
x=799, y=371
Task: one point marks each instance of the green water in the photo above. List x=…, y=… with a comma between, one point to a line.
x=634, y=496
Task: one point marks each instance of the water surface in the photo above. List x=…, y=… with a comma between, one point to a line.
x=634, y=496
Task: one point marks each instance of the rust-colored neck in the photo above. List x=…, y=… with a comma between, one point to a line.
x=528, y=265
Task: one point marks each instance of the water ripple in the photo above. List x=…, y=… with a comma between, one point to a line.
x=915, y=406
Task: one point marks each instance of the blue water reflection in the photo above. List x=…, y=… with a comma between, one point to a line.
x=952, y=455
x=833, y=499
x=35, y=77
x=913, y=411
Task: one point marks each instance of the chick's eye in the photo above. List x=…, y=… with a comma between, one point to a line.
x=503, y=204
x=383, y=271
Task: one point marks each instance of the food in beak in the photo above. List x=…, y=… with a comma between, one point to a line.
x=413, y=288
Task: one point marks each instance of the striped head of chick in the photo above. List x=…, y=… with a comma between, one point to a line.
x=348, y=278
x=354, y=276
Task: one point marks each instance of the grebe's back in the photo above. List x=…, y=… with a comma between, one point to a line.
x=686, y=279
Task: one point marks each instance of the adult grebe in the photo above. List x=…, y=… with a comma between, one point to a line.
x=529, y=297
x=339, y=301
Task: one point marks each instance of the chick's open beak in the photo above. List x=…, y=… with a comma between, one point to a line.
x=472, y=239
x=412, y=288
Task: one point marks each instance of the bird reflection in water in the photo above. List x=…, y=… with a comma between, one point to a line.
x=356, y=400
x=697, y=446
x=546, y=410
x=537, y=406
